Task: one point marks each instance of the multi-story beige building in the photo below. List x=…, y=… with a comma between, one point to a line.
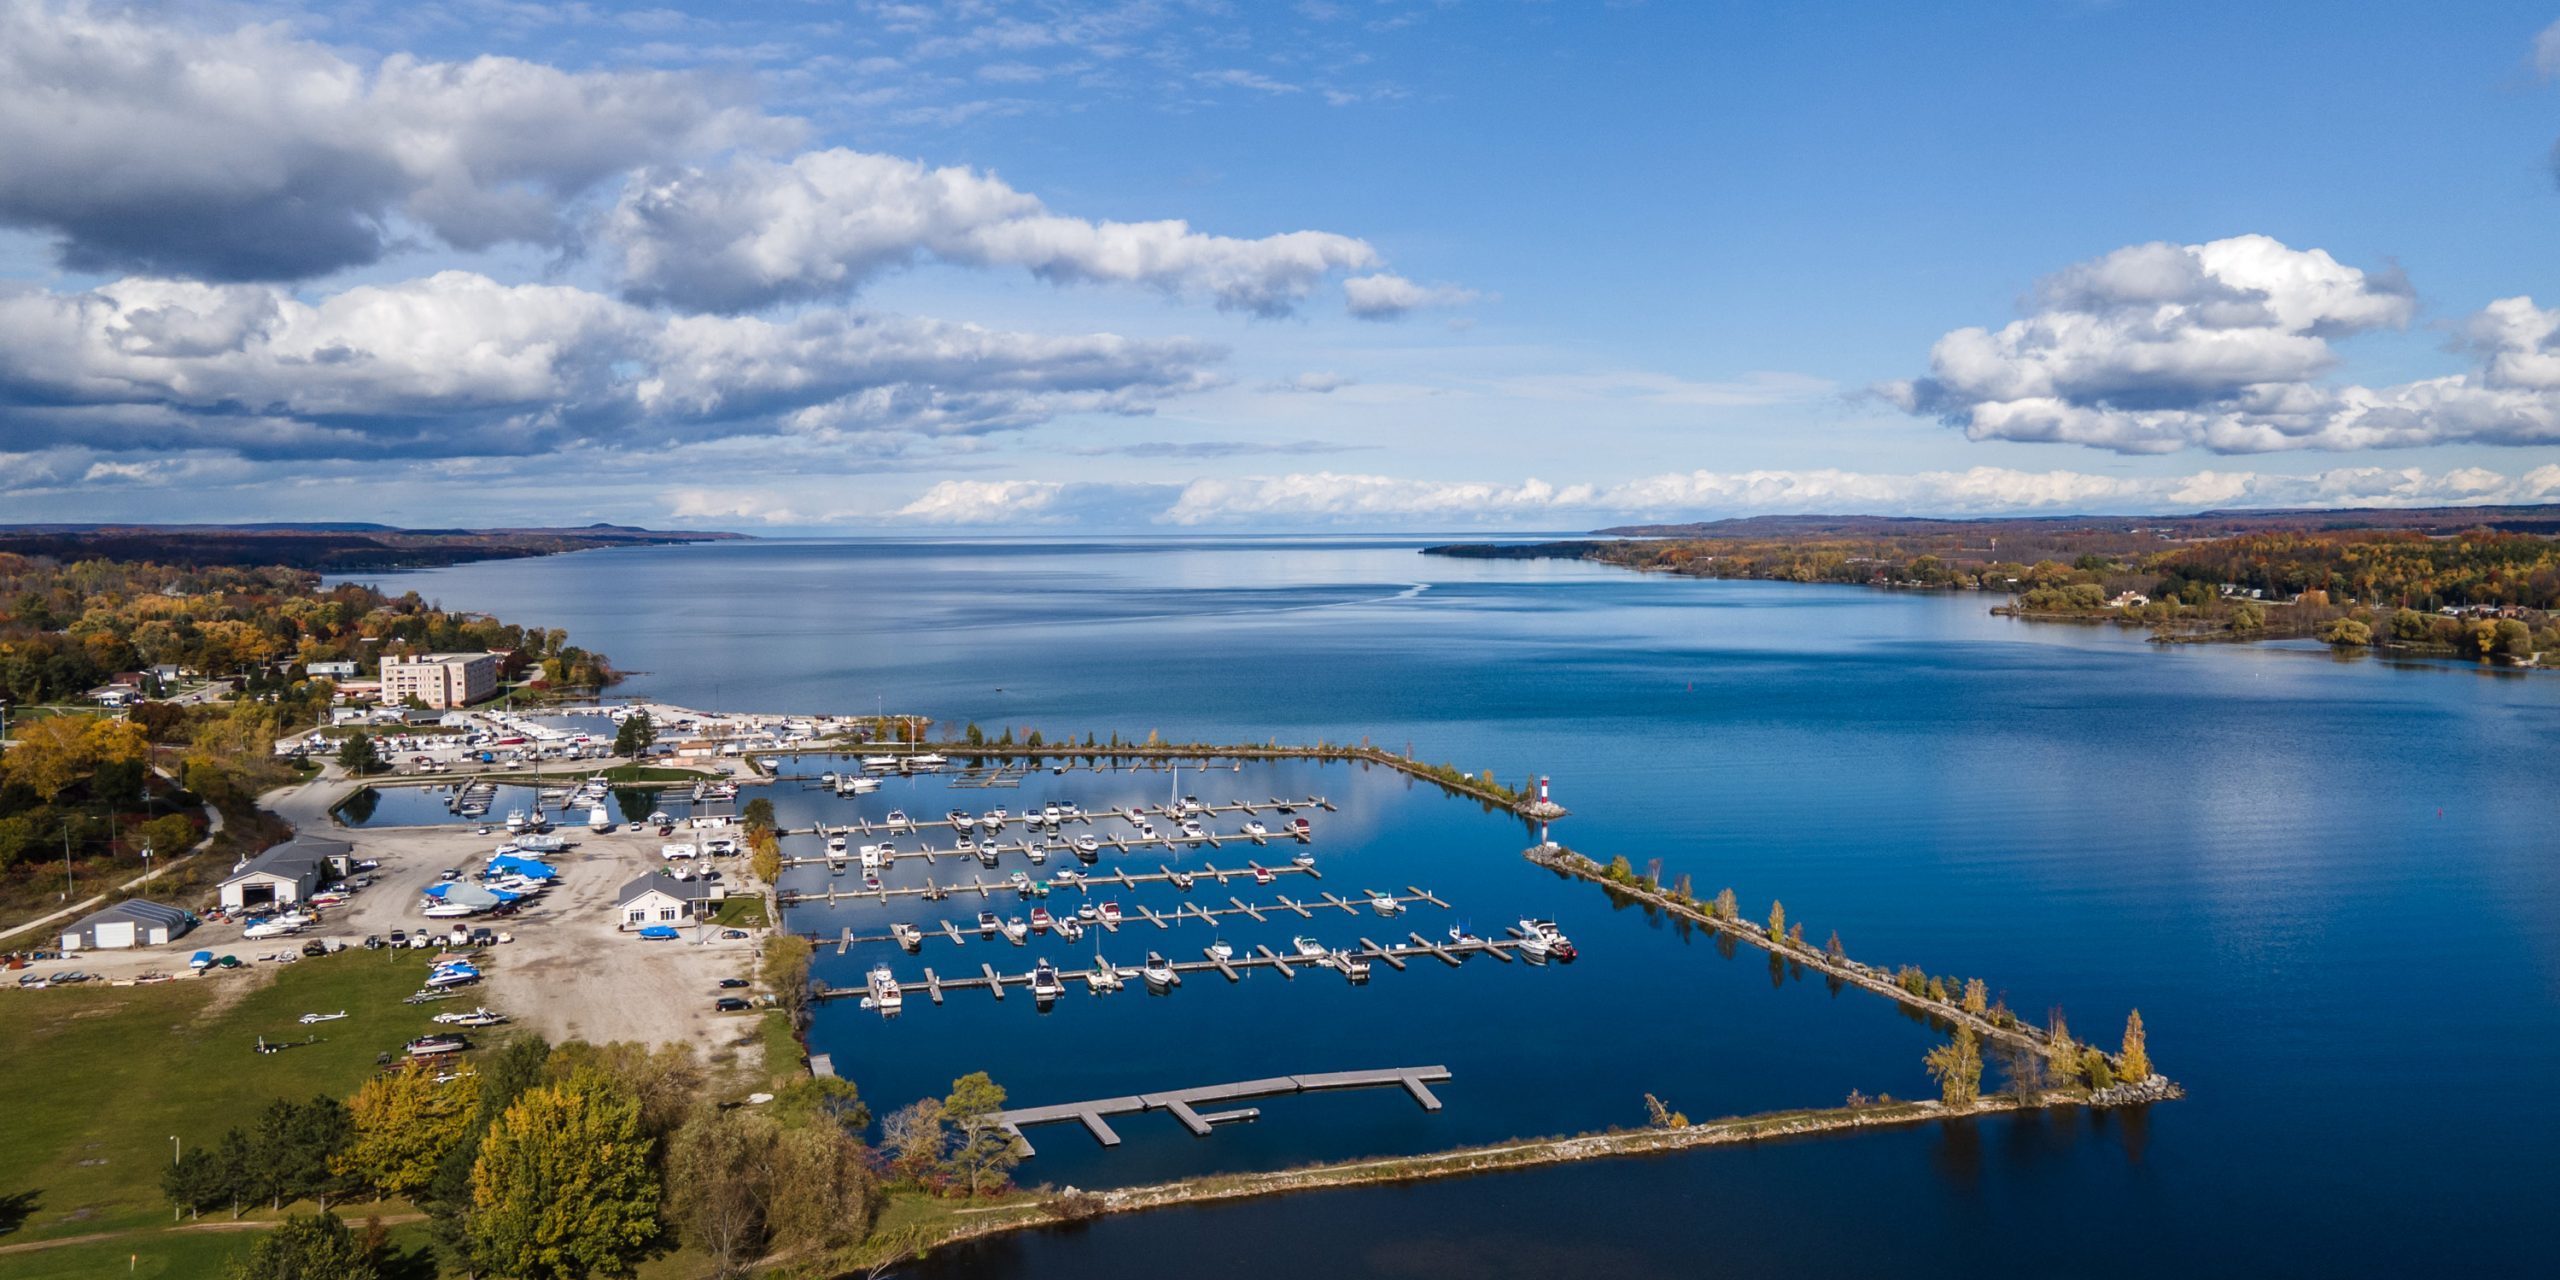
x=440, y=679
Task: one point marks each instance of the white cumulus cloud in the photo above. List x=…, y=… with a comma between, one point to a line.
x=1387, y=297
x=755, y=232
x=247, y=154
x=2226, y=346
x=457, y=364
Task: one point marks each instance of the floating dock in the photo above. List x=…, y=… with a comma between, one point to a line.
x=1394, y=954
x=1184, y=1104
x=912, y=937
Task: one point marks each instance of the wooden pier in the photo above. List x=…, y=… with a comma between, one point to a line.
x=1183, y=1104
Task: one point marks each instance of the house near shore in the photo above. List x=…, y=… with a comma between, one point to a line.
x=286, y=874
x=659, y=898
x=127, y=924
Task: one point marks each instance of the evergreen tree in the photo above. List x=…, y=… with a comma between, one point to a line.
x=634, y=735
x=359, y=755
x=197, y=1181
x=318, y=1247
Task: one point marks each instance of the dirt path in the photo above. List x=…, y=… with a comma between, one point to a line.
x=226, y=1224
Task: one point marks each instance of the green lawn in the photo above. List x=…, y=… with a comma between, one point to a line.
x=743, y=912
x=102, y=1078
x=178, y=1255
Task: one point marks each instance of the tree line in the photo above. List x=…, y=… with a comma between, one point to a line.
x=66, y=628
x=553, y=1162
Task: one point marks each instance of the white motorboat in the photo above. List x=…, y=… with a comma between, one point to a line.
x=1021, y=882
x=1044, y=981
x=1107, y=913
x=1016, y=931
x=1384, y=903
x=1222, y=949
x=1307, y=948
x=515, y=820
x=1087, y=844
x=885, y=995
x=835, y=844
x=598, y=820
x=1256, y=829
x=873, y=858
x=1069, y=876
x=1069, y=929
x=1103, y=976
x=1038, y=854
x=1158, y=971
x=928, y=761
x=898, y=820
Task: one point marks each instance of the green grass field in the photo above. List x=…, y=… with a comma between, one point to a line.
x=103, y=1078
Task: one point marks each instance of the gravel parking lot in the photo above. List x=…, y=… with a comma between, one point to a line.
x=568, y=973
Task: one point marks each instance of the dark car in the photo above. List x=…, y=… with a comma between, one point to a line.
x=399, y=937
x=733, y=934
x=315, y=947
x=730, y=1004
x=373, y=942
x=732, y=984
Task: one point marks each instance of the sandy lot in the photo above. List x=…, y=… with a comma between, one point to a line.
x=568, y=974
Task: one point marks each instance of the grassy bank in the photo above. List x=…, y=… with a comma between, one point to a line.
x=105, y=1076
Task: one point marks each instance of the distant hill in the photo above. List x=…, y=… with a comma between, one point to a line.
x=2543, y=519
x=335, y=547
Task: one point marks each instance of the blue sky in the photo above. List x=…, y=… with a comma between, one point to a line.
x=819, y=266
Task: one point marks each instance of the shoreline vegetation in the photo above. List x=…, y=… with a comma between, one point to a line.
x=217, y=659
x=2481, y=593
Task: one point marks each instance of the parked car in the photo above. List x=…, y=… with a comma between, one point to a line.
x=399, y=937
x=733, y=934
x=732, y=984
x=315, y=948
x=373, y=942
x=730, y=1004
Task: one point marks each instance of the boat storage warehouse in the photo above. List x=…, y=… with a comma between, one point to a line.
x=131, y=923
x=285, y=874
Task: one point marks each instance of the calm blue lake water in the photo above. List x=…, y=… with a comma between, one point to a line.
x=2329, y=886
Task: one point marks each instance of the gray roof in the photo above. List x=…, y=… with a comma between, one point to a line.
x=295, y=857
x=137, y=911
x=680, y=890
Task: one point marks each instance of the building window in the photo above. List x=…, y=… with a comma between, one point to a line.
x=666, y=913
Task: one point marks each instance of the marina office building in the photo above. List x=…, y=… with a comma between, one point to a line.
x=440, y=680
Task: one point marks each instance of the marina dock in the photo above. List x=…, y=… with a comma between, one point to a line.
x=1183, y=1104
x=913, y=937
x=935, y=891
x=1234, y=969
